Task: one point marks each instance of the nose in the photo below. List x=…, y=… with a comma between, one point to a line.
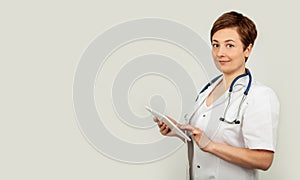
x=220, y=51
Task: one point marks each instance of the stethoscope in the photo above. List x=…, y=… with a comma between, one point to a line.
x=223, y=118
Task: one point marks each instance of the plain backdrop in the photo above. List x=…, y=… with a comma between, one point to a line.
x=41, y=44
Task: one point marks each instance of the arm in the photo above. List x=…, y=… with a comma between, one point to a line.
x=248, y=158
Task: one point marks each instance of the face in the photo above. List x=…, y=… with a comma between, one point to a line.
x=228, y=51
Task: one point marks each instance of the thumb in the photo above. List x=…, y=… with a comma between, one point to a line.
x=187, y=127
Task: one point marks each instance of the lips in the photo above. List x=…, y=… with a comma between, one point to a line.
x=223, y=61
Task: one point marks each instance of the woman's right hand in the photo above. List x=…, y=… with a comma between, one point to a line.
x=163, y=128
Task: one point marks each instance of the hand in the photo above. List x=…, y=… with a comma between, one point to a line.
x=199, y=136
x=163, y=128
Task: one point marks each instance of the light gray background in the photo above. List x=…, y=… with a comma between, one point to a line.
x=41, y=43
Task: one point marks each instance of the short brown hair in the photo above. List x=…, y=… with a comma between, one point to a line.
x=245, y=27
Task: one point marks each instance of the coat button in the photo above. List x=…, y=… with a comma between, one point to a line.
x=198, y=166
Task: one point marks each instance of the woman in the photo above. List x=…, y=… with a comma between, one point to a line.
x=232, y=136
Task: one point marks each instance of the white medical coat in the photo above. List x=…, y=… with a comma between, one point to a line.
x=259, y=118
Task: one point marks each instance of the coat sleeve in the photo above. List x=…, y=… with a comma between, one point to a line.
x=261, y=119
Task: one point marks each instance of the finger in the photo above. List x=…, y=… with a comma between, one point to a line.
x=155, y=119
x=179, y=125
x=196, y=131
x=165, y=131
x=160, y=123
x=162, y=127
x=187, y=127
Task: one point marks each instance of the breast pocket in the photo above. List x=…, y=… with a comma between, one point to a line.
x=231, y=130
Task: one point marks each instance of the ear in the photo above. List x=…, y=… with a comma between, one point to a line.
x=248, y=50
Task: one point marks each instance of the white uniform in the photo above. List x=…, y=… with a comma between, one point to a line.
x=258, y=117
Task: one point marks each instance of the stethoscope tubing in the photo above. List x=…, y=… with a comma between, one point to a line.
x=235, y=121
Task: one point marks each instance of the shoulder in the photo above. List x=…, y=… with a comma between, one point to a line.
x=259, y=89
x=262, y=94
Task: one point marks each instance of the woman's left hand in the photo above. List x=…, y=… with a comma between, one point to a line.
x=199, y=136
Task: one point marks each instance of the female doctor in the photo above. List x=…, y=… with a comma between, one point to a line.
x=234, y=122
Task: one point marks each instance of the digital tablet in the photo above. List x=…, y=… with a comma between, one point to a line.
x=168, y=122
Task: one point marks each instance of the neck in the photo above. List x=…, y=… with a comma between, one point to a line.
x=228, y=78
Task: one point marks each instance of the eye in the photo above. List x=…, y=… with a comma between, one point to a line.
x=230, y=45
x=214, y=45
